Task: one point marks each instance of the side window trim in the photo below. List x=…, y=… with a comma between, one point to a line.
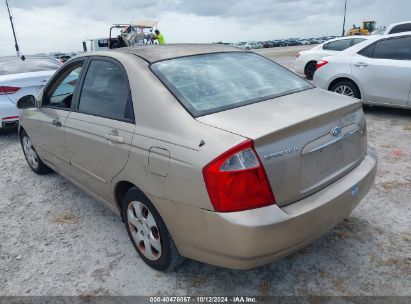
x=76, y=103
x=76, y=97
x=56, y=76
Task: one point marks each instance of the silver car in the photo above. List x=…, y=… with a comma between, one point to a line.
x=207, y=152
x=377, y=71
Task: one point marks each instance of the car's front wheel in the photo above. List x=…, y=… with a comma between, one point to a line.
x=148, y=233
x=346, y=88
x=33, y=159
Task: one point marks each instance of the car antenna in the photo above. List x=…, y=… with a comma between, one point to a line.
x=14, y=33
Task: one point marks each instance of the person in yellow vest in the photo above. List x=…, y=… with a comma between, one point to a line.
x=159, y=37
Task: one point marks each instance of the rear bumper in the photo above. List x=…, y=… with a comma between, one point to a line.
x=299, y=66
x=248, y=239
x=9, y=114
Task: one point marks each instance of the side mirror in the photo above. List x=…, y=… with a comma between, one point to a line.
x=28, y=101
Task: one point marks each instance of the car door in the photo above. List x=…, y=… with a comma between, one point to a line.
x=100, y=128
x=46, y=124
x=383, y=71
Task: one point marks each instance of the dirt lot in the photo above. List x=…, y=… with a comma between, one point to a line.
x=56, y=240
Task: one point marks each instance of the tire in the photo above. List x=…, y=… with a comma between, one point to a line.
x=145, y=227
x=347, y=88
x=32, y=158
x=310, y=69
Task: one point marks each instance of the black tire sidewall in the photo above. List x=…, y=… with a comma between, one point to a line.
x=306, y=70
x=164, y=262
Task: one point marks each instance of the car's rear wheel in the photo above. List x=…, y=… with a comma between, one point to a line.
x=148, y=233
x=310, y=69
x=346, y=88
x=33, y=159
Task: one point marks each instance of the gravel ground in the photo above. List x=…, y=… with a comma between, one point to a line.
x=56, y=240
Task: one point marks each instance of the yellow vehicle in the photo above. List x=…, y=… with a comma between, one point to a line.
x=367, y=28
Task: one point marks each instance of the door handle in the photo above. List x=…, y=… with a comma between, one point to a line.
x=361, y=64
x=114, y=138
x=56, y=123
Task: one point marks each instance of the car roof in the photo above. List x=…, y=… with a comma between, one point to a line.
x=152, y=53
x=348, y=37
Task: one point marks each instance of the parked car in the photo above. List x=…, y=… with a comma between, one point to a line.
x=246, y=154
x=268, y=44
x=292, y=42
x=249, y=45
x=19, y=78
x=377, y=71
x=314, y=41
x=278, y=43
x=394, y=28
x=307, y=60
x=253, y=45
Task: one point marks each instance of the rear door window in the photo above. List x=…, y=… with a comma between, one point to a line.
x=106, y=91
x=398, y=48
x=339, y=45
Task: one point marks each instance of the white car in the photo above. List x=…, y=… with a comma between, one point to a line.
x=377, y=71
x=394, y=28
x=20, y=78
x=307, y=60
x=250, y=45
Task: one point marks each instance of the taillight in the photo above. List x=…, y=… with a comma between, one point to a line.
x=8, y=90
x=321, y=63
x=236, y=180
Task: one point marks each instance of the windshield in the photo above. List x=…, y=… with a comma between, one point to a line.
x=211, y=83
x=16, y=65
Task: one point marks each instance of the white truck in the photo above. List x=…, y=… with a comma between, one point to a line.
x=131, y=34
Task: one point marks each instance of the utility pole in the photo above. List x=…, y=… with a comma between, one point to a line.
x=14, y=32
x=345, y=15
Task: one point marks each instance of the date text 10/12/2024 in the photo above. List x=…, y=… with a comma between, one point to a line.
x=202, y=299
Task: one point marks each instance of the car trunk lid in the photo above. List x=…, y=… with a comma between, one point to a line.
x=29, y=83
x=305, y=140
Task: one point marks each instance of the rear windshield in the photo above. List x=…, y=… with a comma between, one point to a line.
x=211, y=83
x=16, y=65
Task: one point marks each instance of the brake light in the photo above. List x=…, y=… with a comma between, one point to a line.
x=236, y=180
x=11, y=117
x=8, y=90
x=321, y=63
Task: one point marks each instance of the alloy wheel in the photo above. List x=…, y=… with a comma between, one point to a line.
x=30, y=153
x=344, y=90
x=144, y=230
